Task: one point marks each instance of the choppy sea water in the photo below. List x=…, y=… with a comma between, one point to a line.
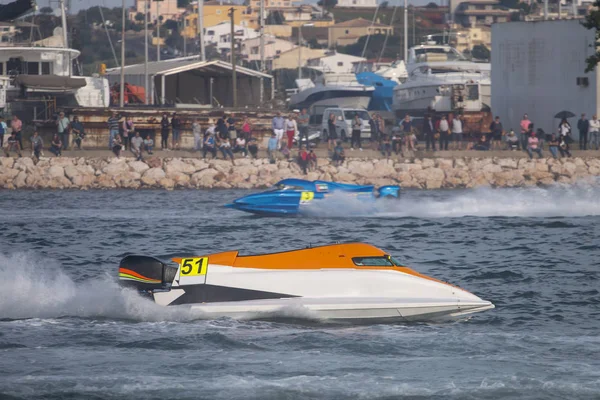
x=68, y=331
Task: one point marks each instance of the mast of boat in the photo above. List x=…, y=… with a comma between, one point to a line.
x=146, y=53
x=63, y=16
x=122, y=88
x=262, y=49
x=387, y=35
x=368, y=37
x=406, y=31
x=200, y=29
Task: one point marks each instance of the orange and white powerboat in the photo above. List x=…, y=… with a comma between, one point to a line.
x=354, y=281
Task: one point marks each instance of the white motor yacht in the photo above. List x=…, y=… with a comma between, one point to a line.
x=331, y=90
x=442, y=80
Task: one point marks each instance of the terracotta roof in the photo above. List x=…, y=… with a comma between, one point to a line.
x=358, y=23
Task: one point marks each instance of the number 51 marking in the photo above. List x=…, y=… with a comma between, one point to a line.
x=193, y=266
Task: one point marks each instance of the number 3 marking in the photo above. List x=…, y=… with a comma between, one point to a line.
x=306, y=196
x=193, y=266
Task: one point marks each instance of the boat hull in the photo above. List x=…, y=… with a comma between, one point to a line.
x=325, y=96
x=347, y=309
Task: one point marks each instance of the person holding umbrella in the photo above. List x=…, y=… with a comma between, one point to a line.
x=564, y=128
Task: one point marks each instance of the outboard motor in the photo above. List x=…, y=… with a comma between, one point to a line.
x=390, y=191
x=145, y=273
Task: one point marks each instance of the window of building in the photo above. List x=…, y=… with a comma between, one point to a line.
x=33, y=68
x=1, y=68
x=340, y=64
x=45, y=68
x=210, y=33
x=14, y=66
x=347, y=31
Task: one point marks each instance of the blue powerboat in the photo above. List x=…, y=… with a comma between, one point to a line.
x=295, y=196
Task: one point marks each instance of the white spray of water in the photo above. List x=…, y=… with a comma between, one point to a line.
x=39, y=288
x=555, y=201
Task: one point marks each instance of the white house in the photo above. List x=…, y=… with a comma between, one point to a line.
x=250, y=48
x=356, y=3
x=220, y=35
x=334, y=62
x=538, y=69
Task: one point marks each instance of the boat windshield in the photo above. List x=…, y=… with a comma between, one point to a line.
x=376, y=261
x=383, y=261
x=282, y=186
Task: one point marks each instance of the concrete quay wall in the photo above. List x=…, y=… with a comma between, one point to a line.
x=174, y=173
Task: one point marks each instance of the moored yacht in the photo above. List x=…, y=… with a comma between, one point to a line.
x=441, y=80
x=331, y=90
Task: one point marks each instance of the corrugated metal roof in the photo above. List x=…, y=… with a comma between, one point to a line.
x=154, y=67
x=175, y=66
x=215, y=67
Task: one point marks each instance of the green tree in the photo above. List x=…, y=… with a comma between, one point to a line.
x=431, y=5
x=46, y=10
x=481, y=52
x=139, y=17
x=592, y=21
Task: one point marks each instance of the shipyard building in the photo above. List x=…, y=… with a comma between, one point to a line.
x=538, y=68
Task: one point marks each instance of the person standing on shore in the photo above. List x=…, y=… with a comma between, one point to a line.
x=64, y=125
x=553, y=146
x=17, y=126
x=291, y=127
x=457, y=132
x=525, y=122
x=428, y=132
x=231, y=129
x=278, y=126
x=246, y=128
x=197, y=131
x=496, y=130
x=444, y=133
x=303, y=123
x=374, y=130
x=594, y=132
x=407, y=127
x=164, y=132
x=113, y=129
x=176, y=126
x=583, y=125
x=332, y=133
x=356, y=130
x=128, y=131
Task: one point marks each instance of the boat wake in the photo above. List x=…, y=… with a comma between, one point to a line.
x=41, y=289
x=577, y=200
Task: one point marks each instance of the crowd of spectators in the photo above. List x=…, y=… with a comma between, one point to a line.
x=227, y=136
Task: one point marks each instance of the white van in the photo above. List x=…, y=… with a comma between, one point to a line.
x=343, y=124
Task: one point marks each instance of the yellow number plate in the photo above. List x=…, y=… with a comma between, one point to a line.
x=307, y=196
x=193, y=266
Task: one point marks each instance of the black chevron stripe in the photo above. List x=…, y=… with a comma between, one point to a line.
x=213, y=294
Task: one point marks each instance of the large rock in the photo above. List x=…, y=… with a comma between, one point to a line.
x=56, y=171
x=138, y=166
x=7, y=162
x=116, y=168
x=176, y=165
x=152, y=176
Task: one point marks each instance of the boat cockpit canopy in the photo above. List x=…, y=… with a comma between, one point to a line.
x=376, y=261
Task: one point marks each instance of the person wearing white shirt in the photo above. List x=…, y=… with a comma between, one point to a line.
x=444, y=133
x=595, y=132
x=457, y=132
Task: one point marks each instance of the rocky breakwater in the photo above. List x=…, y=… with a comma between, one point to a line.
x=171, y=173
